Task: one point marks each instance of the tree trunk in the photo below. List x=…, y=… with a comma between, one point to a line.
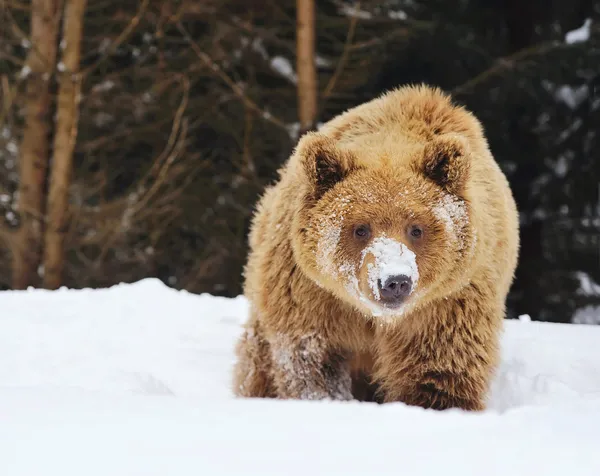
x=305, y=63
x=33, y=161
x=67, y=119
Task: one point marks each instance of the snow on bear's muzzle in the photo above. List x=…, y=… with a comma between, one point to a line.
x=392, y=271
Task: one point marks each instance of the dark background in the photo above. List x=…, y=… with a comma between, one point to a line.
x=187, y=116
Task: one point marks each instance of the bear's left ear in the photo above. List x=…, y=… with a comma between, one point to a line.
x=323, y=162
x=446, y=161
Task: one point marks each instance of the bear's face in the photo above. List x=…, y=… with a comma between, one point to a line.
x=383, y=237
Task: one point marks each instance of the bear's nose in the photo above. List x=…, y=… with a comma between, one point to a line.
x=395, y=288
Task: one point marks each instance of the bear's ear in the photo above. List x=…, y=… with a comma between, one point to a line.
x=447, y=162
x=324, y=164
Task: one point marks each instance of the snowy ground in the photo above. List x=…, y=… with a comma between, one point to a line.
x=135, y=381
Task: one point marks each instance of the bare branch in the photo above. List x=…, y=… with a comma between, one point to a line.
x=344, y=57
x=213, y=66
x=508, y=63
x=129, y=29
x=15, y=5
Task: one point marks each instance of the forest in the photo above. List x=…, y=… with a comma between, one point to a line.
x=137, y=135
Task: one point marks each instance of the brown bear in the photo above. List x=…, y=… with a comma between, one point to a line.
x=380, y=261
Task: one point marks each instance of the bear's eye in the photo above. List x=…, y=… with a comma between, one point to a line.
x=416, y=232
x=362, y=232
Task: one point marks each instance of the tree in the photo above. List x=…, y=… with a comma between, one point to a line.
x=65, y=135
x=45, y=15
x=305, y=63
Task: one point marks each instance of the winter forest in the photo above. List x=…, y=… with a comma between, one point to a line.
x=136, y=136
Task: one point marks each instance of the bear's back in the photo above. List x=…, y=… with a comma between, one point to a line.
x=399, y=123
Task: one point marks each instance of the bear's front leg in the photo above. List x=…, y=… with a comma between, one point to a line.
x=305, y=368
x=441, y=361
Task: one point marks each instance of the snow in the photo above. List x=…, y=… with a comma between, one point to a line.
x=104, y=86
x=561, y=167
x=587, y=315
x=580, y=34
x=283, y=66
x=293, y=130
x=257, y=46
x=142, y=338
x=392, y=258
x=451, y=211
x=12, y=147
x=572, y=96
x=329, y=229
x=322, y=62
x=397, y=15
x=587, y=286
x=353, y=11
x=25, y=71
x=296, y=361
x=135, y=380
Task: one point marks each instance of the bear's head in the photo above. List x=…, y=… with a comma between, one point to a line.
x=383, y=235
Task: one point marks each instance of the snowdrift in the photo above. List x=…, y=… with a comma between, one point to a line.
x=134, y=380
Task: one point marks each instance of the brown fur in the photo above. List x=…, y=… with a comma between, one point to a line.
x=407, y=158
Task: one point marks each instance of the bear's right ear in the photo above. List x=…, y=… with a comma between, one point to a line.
x=324, y=164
